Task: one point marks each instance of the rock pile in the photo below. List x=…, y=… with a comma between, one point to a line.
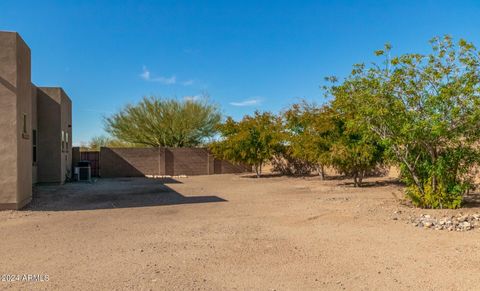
x=461, y=222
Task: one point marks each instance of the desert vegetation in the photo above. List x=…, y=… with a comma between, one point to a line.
x=253, y=141
x=164, y=122
x=160, y=122
x=419, y=112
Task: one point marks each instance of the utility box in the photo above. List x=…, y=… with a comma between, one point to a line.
x=83, y=171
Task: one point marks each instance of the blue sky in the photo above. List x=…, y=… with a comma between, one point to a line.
x=247, y=55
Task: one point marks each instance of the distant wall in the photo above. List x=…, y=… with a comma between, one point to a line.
x=140, y=162
x=136, y=162
x=190, y=161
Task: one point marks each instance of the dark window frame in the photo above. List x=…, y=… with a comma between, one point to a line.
x=34, y=146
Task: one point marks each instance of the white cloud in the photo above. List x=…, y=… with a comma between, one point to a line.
x=187, y=83
x=193, y=98
x=248, y=102
x=147, y=76
x=166, y=80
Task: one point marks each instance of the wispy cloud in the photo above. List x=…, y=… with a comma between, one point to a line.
x=247, y=102
x=147, y=76
x=192, y=98
x=166, y=80
x=188, y=82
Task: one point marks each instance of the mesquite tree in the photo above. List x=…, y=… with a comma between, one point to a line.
x=159, y=122
x=100, y=141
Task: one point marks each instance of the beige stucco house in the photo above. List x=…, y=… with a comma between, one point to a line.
x=35, y=127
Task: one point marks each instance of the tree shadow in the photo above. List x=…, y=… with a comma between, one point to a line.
x=373, y=184
x=110, y=194
x=262, y=176
x=277, y=175
x=471, y=200
x=343, y=180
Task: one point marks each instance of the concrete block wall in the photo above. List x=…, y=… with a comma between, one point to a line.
x=125, y=162
x=190, y=161
x=225, y=167
x=140, y=162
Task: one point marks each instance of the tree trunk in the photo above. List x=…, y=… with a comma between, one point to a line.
x=355, y=179
x=433, y=154
x=321, y=171
x=434, y=176
x=410, y=169
x=257, y=170
x=360, y=178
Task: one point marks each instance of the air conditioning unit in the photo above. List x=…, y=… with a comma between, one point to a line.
x=83, y=171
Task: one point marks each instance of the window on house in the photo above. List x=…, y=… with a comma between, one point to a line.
x=24, y=123
x=24, y=127
x=34, y=146
x=63, y=141
x=66, y=142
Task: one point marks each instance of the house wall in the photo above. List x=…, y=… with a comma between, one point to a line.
x=49, y=116
x=66, y=128
x=54, y=117
x=76, y=156
x=15, y=100
x=24, y=108
x=8, y=120
x=24, y=140
x=34, y=127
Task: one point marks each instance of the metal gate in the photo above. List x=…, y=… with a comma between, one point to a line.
x=94, y=159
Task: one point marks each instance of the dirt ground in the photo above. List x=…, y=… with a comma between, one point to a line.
x=232, y=232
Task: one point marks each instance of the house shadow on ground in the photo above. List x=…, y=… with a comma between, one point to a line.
x=110, y=194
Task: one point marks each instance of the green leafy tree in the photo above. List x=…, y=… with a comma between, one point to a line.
x=355, y=153
x=253, y=141
x=426, y=110
x=159, y=122
x=309, y=132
